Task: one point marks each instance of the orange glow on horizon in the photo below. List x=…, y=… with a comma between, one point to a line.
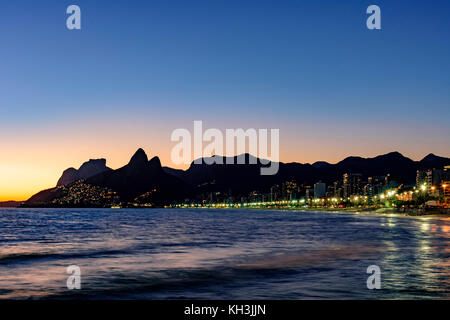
x=34, y=158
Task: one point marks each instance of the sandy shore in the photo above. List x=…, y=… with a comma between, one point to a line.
x=410, y=212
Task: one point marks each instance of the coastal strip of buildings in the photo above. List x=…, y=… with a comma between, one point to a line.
x=431, y=189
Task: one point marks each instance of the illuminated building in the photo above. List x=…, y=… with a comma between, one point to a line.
x=351, y=184
x=319, y=190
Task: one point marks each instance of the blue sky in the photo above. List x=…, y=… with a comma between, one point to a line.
x=293, y=65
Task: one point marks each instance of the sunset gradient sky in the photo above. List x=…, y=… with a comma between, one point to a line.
x=138, y=70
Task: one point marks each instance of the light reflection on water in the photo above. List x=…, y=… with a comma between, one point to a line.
x=221, y=254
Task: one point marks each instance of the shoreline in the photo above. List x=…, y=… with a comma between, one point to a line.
x=410, y=212
x=381, y=211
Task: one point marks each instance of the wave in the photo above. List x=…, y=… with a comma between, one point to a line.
x=251, y=270
x=24, y=257
x=307, y=258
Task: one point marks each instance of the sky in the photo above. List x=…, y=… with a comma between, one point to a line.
x=137, y=70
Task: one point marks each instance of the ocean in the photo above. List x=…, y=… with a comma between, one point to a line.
x=221, y=254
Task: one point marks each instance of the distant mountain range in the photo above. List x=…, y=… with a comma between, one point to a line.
x=9, y=204
x=147, y=178
x=242, y=179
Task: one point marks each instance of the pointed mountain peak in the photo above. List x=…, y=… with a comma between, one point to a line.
x=139, y=158
x=430, y=157
x=155, y=162
x=434, y=161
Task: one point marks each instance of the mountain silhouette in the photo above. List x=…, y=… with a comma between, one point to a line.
x=87, y=170
x=147, y=180
x=140, y=176
x=321, y=164
x=433, y=161
x=242, y=179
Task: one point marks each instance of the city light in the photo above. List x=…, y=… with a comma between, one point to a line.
x=370, y=195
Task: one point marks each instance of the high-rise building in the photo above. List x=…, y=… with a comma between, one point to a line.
x=434, y=177
x=275, y=193
x=352, y=184
x=446, y=189
x=320, y=190
x=255, y=196
x=421, y=177
x=289, y=190
x=445, y=183
x=375, y=185
x=434, y=180
x=330, y=191
x=368, y=191
x=446, y=174
x=336, y=189
x=309, y=193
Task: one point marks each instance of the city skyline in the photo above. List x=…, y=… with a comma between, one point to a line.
x=131, y=76
x=58, y=175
